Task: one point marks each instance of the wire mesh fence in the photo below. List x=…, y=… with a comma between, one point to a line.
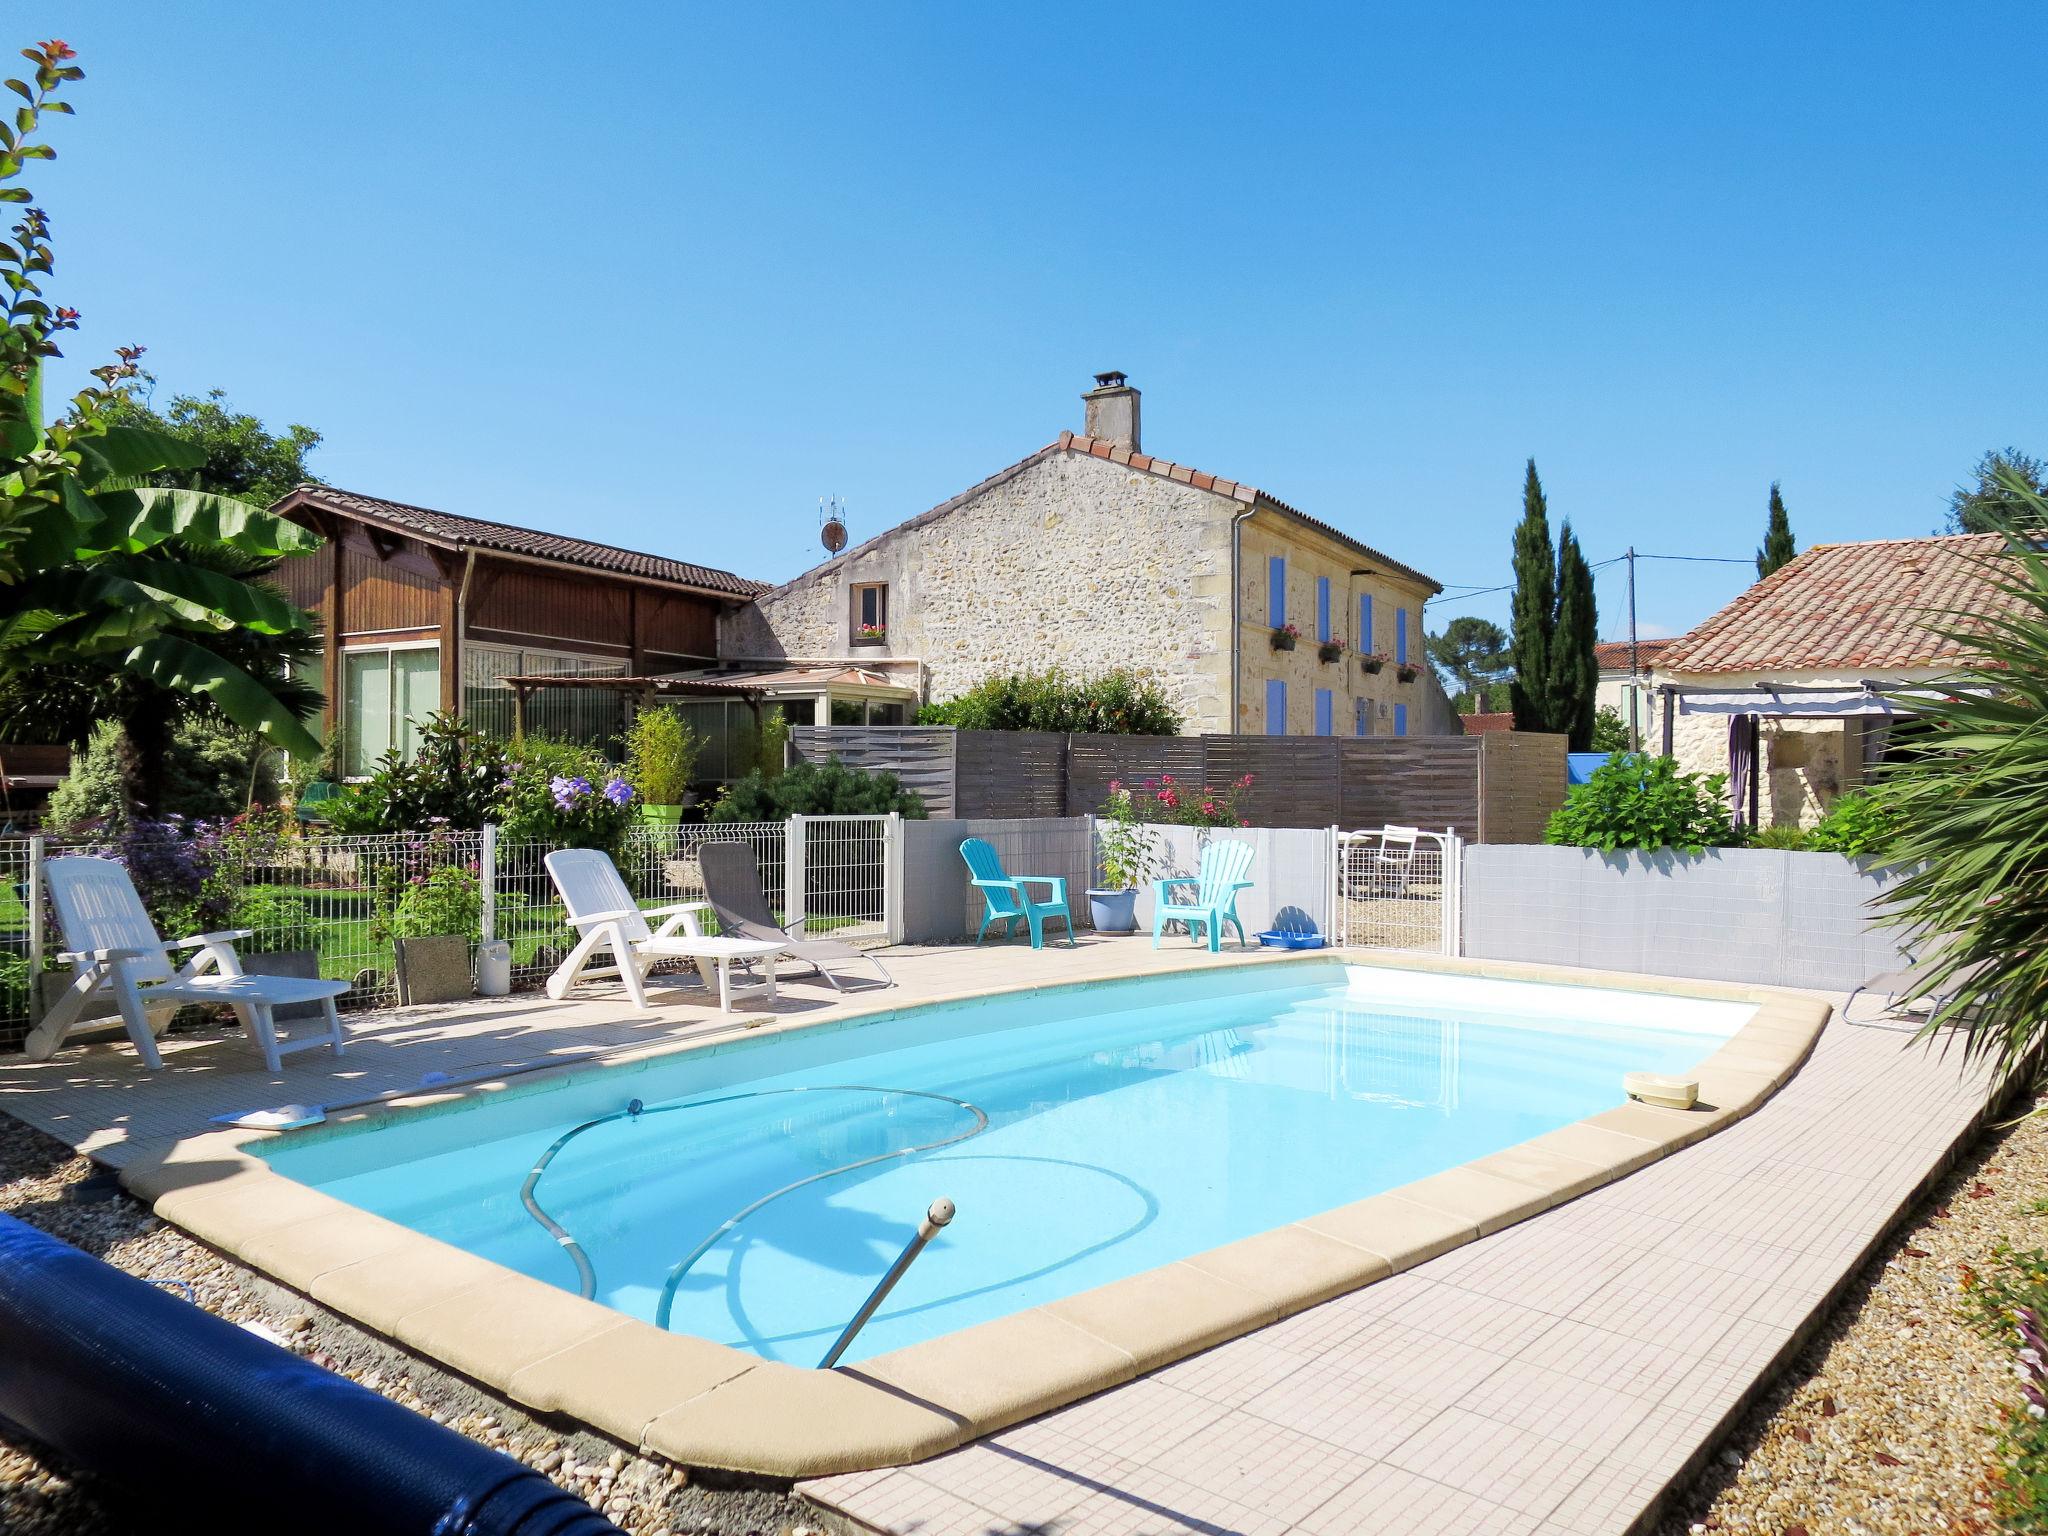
x=1397, y=888
x=348, y=900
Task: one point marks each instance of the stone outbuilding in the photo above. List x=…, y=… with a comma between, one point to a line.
x=1091, y=554
x=1793, y=688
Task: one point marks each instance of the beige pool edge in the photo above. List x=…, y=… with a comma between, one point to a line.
x=706, y=1405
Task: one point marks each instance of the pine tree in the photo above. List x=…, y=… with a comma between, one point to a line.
x=1778, y=546
x=1574, y=672
x=1533, y=613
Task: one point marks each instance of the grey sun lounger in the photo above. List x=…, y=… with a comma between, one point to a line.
x=732, y=884
x=1910, y=981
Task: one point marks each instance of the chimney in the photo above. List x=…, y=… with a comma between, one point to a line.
x=1112, y=411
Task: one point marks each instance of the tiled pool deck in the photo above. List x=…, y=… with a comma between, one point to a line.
x=1554, y=1378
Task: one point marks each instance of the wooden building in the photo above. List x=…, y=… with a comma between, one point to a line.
x=424, y=610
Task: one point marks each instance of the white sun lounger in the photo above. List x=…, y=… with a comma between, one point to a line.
x=114, y=947
x=602, y=911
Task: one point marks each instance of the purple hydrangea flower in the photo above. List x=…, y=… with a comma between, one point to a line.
x=618, y=791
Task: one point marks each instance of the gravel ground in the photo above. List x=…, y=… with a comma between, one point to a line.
x=41, y=1182
x=1885, y=1424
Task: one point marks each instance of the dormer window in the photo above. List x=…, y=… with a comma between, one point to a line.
x=870, y=613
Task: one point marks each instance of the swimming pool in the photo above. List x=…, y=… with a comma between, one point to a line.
x=1085, y=1133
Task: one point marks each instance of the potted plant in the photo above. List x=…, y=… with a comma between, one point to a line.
x=1331, y=649
x=870, y=634
x=1284, y=636
x=661, y=756
x=1127, y=852
x=1373, y=661
x=1407, y=671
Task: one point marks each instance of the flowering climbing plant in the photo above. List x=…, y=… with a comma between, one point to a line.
x=1177, y=803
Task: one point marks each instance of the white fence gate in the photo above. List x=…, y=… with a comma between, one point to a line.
x=1397, y=888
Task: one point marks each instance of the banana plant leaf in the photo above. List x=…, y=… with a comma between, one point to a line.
x=133, y=521
x=124, y=452
x=172, y=662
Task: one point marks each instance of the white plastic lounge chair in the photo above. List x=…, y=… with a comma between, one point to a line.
x=732, y=884
x=113, y=946
x=602, y=911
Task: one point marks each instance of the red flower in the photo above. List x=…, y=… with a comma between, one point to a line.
x=1115, y=786
x=1166, y=778
x=57, y=49
x=1244, y=821
x=66, y=314
x=1245, y=782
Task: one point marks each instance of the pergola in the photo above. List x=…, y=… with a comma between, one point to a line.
x=642, y=691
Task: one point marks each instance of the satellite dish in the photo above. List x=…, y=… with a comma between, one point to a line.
x=832, y=523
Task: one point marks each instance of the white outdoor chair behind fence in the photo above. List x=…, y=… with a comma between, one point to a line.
x=602, y=911
x=113, y=947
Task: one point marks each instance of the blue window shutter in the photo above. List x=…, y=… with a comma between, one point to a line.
x=1276, y=707
x=1276, y=590
x=1322, y=609
x=1325, y=704
x=1400, y=719
x=1364, y=636
x=1400, y=639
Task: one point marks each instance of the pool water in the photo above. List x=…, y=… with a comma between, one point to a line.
x=1129, y=1124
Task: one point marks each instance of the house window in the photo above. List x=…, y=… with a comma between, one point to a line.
x=386, y=695
x=1400, y=719
x=869, y=624
x=1400, y=639
x=1276, y=590
x=1322, y=609
x=1276, y=707
x=1325, y=710
x=1365, y=624
x=1361, y=717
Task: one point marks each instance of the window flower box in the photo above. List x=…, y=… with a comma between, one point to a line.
x=1284, y=636
x=1374, y=661
x=1331, y=649
x=1407, y=671
x=871, y=634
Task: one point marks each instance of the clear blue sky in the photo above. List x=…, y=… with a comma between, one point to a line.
x=664, y=274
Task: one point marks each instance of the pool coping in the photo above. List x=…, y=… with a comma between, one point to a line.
x=707, y=1405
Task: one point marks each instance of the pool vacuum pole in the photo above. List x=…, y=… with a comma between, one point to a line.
x=940, y=1213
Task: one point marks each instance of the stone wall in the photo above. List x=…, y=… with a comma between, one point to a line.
x=1072, y=560
x=1807, y=764
x=1309, y=557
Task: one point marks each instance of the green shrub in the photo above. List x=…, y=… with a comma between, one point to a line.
x=1860, y=824
x=1646, y=803
x=1610, y=731
x=1118, y=703
x=564, y=795
x=454, y=780
x=213, y=771
x=661, y=756
x=1789, y=839
x=813, y=789
x=447, y=901
x=282, y=921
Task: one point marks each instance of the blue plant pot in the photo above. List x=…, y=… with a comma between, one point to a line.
x=1113, y=911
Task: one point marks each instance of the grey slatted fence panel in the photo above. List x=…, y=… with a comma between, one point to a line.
x=1094, y=761
x=1422, y=781
x=1522, y=781
x=1008, y=774
x=920, y=755
x=1295, y=779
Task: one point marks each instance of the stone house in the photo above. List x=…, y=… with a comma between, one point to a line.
x=1624, y=685
x=1092, y=554
x=1785, y=689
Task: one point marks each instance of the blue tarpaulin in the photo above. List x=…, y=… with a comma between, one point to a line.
x=1579, y=766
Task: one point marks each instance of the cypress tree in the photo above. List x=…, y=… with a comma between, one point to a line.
x=1574, y=672
x=1778, y=546
x=1533, y=613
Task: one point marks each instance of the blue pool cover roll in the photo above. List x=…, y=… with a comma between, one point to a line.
x=206, y=1422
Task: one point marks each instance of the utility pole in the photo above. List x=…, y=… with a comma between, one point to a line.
x=1635, y=667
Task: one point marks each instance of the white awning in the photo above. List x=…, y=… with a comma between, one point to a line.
x=1795, y=703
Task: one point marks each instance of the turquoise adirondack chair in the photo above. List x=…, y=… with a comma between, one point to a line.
x=1214, y=904
x=1008, y=901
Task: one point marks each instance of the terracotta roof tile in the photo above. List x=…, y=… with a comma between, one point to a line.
x=467, y=532
x=1879, y=605
x=1612, y=655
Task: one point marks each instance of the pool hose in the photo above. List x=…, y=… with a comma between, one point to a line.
x=206, y=1425
x=586, y=1273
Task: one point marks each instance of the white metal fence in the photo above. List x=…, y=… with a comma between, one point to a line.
x=346, y=899
x=1397, y=888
